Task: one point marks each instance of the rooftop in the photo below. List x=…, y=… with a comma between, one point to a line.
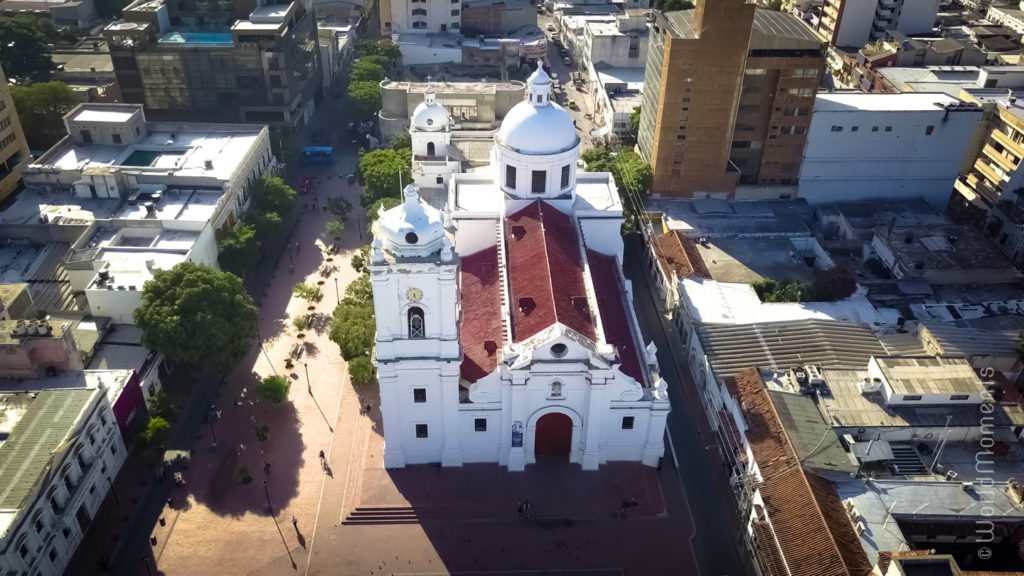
x=903, y=102
x=767, y=23
x=929, y=375
x=948, y=247
x=482, y=333
x=721, y=218
x=36, y=425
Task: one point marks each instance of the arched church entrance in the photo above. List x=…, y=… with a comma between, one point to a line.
x=554, y=436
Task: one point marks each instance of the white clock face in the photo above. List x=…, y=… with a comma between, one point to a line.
x=414, y=294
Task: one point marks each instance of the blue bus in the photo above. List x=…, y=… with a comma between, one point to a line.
x=317, y=155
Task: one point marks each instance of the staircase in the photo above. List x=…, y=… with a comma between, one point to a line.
x=906, y=461
x=506, y=307
x=377, y=515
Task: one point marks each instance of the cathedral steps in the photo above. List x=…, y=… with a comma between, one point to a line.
x=551, y=517
x=381, y=515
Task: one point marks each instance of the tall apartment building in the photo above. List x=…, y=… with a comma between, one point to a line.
x=420, y=16
x=857, y=22
x=14, y=152
x=991, y=192
x=252, y=62
x=728, y=94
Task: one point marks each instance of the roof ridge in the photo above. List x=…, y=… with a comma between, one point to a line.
x=550, y=285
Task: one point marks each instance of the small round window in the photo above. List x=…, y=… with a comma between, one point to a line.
x=430, y=121
x=559, y=350
x=411, y=238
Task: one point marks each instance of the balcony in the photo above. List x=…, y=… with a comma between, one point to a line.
x=1004, y=162
x=1007, y=142
x=989, y=174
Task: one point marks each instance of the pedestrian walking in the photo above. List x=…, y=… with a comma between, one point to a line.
x=322, y=457
x=295, y=522
x=266, y=467
x=252, y=418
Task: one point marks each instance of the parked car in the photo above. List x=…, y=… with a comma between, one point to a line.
x=567, y=61
x=549, y=27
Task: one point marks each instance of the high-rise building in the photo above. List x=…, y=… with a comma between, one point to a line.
x=857, y=22
x=728, y=95
x=253, y=62
x=14, y=152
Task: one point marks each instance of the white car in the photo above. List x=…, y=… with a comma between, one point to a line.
x=550, y=27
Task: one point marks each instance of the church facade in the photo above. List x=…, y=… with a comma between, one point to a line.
x=504, y=326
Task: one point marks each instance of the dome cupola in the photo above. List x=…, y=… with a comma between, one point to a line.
x=537, y=125
x=429, y=115
x=412, y=230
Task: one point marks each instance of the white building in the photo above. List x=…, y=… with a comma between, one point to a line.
x=867, y=146
x=861, y=21
x=60, y=452
x=423, y=16
x=504, y=325
x=434, y=160
x=155, y=194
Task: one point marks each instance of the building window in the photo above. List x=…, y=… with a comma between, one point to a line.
x=53, y=554
x=415, y=318
x=86, y=136
x=755, y=71
x=480, y=424
x=113, y=448
x=440, y=179
x=419, y=12
x=928, y=130
x=627, y=422
x=539, y=179
x=959, y=397
x=116, y=138
x=854, y=128
x=874, y=128
x=431, y=149
x=888, y=128
x=419, y=395
x=421, y=431
x=911, y=398
x=39, y=526
x=565, y=177
x=510, y=177
x=837, y=128
x=455, y=12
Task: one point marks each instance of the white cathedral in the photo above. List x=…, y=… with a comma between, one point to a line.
x=504, y=326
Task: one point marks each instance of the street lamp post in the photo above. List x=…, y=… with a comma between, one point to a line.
x=337, y=294
x=266, y=491
x=308, y=385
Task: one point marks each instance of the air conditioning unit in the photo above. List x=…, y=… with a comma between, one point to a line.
x=814, y=377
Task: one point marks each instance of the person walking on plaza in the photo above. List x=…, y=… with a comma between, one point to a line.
x=295, y=523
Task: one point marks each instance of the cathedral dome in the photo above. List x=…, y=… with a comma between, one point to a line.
x=413, y=229
x=430, y=116
x=538, y=126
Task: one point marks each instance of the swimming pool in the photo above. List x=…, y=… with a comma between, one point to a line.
x=205, y=38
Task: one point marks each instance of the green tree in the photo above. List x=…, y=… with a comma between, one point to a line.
x=353, y=328
x=197, y=315
x=364, y=99
x=836, y=283
x=361, y=370
x=266, y=224
x=385, y=48
x=157, y=432
x=274, y=388
x=673, y=5
x=360, y=290
x=364, y=70
x=382, y=61
x=334, y=228
x=632, y=177
x=24, y=39
x=634, y=122
x=273, y=195
x=403, y=140
x=284, y=146
x=301, y=323
x=361, y=259
x=41, y=108
x=308, y=292
x=382, y=173
x=160, y=406
x=386, y=204
x=240, y=250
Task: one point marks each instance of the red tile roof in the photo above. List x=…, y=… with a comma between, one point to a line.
x=801, y=528
x=611, y=304
x=545, y=272
x=680, y=255
x=481, y=314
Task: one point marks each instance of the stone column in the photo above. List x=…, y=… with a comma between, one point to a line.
x=597, y=407
x=520, y=414
x=451, y=455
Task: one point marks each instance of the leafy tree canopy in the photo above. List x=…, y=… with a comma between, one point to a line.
x=334, y=228
x=361, y=370
x=634, y=122
x=197, y=315
x=274, y=388
x=353, y=328
x=385, y=48
x=265, y=224
x=273, y=195
x=364, y=99
x=24, y=38
x=382, y=61
x=386, y=203
x=284, y=146
x=157, y=431
x=308, y=292
x=366, y=71
x=382, y=173
x=673, y=5
x=403, y=140
x=41, y=108
x=240, y=250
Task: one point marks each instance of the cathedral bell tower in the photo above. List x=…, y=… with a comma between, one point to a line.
x=414, y=273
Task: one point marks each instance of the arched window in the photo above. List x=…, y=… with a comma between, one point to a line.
x=416, y=329
x=556, y=389
x=430, y=148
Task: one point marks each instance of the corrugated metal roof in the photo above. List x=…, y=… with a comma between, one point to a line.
x=731, y=348
x=812, y=436
x=42, y=428
x=951, y=340
x=782, y=24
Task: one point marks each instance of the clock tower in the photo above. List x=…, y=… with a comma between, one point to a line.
x=414, y=271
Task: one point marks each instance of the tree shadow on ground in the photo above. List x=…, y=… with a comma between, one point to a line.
x=229, y=478
x=369, y=397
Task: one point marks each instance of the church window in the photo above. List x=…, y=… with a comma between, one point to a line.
x=559, y=350
x=411, y=238
x=539, y=178
x=627, y=422
x=416, y=329
x=510, y=176
x=421, y=431
x=419, y=395
x=480, y=424
x=430, y=149
x=556, y=389
x=565, y=177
